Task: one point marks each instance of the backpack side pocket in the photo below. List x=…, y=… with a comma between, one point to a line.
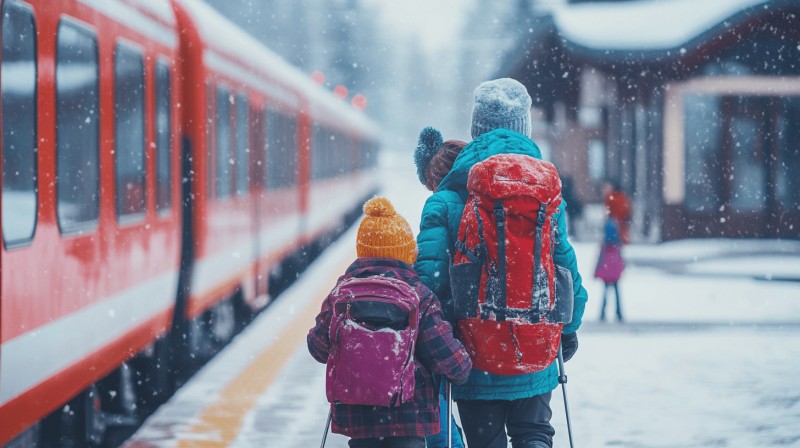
x=465, y=282
x=565, y=298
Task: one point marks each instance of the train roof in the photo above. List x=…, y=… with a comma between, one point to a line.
x=155, y=18
x=266, y=70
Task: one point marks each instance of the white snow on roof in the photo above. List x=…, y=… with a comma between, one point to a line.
x=130, y=14
x=230, y=40
x=643, y=25
x=159, y=8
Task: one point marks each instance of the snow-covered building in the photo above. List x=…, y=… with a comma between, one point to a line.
x=693, y=107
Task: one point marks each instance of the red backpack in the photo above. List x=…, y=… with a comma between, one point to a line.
x=504, y=282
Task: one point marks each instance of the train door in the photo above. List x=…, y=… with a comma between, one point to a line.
x=257, y=186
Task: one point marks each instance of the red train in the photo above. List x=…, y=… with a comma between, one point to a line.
x=158, y=165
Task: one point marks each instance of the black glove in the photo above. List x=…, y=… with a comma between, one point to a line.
x=569, y=345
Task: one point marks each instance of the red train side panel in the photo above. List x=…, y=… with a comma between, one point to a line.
x=243, y=226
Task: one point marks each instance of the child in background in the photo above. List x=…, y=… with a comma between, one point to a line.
x=618, y=207
x=386, y=248
x=610, y=264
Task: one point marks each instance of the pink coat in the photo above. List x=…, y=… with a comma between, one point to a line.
x=610, y=263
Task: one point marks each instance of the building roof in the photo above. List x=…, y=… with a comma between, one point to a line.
x=644, y=25
x=643, y=43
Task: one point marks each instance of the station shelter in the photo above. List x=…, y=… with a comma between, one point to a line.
x=693, y=108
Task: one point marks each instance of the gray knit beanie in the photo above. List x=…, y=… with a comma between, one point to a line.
x=501, y=103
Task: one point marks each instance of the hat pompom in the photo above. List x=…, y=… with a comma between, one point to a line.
x=429, y=142
x=379, y=206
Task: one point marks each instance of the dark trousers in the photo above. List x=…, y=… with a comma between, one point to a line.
x=616, y=294
x=388, y=442
x=527, y=421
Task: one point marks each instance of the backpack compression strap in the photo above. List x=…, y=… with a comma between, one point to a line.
x=499, y=300
x=495, y=300
x=536, y=300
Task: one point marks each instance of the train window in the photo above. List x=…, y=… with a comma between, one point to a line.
x=314, y=150
x=77, y=126
x=163, y=138
x=266, y=117
x=355, y=154
x=129, y=130
x=210, y=111
x=257, y=164
x=330, y=154
x=332, y=143
x=18, y=86
x=346, y=164
x=320, y=145
x=272, y=139
x=369, y=151
x=343, y=155
x=290, y=150
x=330, y=149
x=281, y=150
x=322, y=150
x=338, y=156
x=223, y=161
x=242, y=144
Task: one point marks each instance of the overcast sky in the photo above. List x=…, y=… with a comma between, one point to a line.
x=435, y=22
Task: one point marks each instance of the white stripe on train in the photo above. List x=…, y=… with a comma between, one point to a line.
x=76, y=336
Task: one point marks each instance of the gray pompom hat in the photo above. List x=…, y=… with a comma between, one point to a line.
x=501, y=103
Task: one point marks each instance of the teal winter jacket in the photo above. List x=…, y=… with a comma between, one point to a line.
x=436, y=241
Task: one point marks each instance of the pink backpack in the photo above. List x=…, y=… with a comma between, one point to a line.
x=373, y=334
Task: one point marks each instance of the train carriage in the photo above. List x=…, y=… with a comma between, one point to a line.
x=158, y=164
x=257, y=192
x=91, y=216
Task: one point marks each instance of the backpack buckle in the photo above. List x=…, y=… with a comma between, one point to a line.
x=541, y=215
x=499, y=213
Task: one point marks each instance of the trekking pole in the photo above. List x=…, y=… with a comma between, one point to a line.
x=562, y=378
x=327, y=425
x=449, y=395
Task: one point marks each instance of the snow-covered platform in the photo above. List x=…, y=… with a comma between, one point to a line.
x=264, y=389
x=709, y=360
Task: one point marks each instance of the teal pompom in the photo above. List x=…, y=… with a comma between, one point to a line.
x=429, y=142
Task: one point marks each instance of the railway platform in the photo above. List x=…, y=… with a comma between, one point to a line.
x=264, y=389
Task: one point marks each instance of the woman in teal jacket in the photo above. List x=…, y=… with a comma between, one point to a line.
x=518, y=402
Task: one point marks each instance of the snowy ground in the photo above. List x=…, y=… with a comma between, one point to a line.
x=709, y=355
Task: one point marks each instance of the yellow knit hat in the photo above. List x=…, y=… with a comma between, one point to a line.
x=385, y=234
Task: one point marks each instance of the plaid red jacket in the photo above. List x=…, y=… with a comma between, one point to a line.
x=437, y=351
